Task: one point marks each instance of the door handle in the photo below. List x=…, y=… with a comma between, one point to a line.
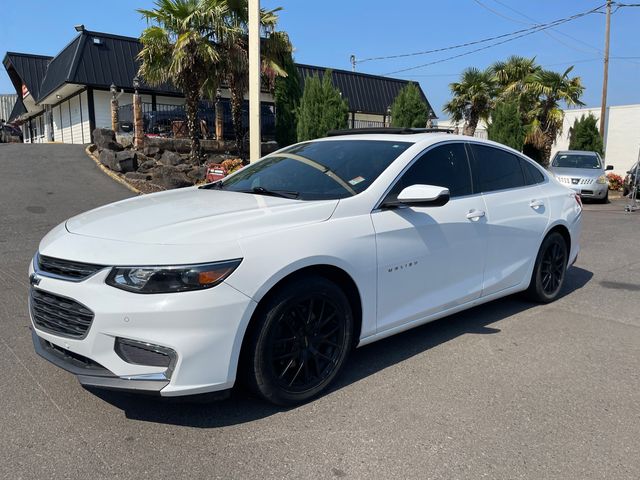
x=536, y=204
x=474, y=215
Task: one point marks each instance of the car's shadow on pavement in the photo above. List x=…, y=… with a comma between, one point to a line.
x=365, y=361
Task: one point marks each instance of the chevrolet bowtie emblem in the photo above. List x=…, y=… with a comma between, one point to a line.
x=34, y=280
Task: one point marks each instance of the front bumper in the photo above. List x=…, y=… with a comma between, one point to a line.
x=204, y=328
x=594, y=190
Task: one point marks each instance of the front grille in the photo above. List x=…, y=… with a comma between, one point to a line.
x=59, y=315
x=587, y=192
x=140, y=353
x=66, y=269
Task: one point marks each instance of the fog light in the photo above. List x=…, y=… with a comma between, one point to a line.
x=141, y=353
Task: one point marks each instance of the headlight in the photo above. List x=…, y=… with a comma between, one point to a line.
x=602, y=179
x=172, y=278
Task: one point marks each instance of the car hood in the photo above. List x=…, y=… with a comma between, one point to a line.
x=196, y=216
x=577, y=172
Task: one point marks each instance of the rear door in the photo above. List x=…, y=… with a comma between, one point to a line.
x=430, y=258
x=517, y=214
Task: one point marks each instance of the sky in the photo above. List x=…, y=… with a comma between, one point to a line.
x=328, y=32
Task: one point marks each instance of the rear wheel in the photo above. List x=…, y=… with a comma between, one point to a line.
x=549, y=270
x=300, y=341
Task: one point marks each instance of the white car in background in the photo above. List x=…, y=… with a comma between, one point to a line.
x=275, y=273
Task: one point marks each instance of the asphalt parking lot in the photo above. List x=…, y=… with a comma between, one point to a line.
x=507, y=390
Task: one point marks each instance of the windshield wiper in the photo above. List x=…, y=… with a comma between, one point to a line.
x=272, y=193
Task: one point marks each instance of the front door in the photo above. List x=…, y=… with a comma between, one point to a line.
x=430, y=258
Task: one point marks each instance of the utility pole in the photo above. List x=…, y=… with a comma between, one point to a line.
x=255, y=139
x=605, y=77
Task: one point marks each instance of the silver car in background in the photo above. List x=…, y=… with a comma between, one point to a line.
x=582, y=171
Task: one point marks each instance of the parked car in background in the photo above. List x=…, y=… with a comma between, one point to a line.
x=10, y=134
x=582, y=171
x=274, y=273
x=630, y=180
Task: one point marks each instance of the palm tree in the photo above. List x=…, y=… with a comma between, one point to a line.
x=275, y=48
x=473, y=98
x=176, y=49
x=551, y=89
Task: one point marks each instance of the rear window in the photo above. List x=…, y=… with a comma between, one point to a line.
x=495, y=169
x=531, y=174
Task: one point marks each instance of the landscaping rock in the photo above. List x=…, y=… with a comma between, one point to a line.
x=185, y=167
x=137, y=176
x=127, y=161
x=105, y=139
x=197, y=174
x=170, y=177
x=170, y=159
x=108, y=159
x=151, y=151
x=145, y=166
x=126, y=140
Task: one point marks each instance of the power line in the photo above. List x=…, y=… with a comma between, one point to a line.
x=596, y=49
x=515, y=34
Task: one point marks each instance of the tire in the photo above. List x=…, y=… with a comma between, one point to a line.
x=549, y=270
x=299, y=341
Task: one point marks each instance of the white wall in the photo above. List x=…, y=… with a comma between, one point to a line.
x=622, y=134
x=71, y=120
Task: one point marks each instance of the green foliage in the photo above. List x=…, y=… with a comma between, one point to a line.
x=506, y=125
x=321, y=109
x=584, y=135
x=409, y=109
x=473, y=98
x=287, y=93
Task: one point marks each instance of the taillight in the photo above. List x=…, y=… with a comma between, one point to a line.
x=578, y=200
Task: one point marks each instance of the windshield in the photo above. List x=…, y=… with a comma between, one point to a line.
x=317, y=170
x=575, y=160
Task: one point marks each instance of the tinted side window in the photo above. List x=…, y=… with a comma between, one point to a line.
x=444, y=166
x=531, y=174
x=495, y=169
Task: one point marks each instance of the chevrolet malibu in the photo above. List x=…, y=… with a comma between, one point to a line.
x=273, y=274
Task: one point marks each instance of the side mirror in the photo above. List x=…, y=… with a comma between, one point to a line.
x=609, y=167
x=420, y=196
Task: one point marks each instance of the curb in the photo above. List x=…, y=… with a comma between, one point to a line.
x=113, y=175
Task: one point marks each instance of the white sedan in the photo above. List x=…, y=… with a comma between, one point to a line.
x=274, y=274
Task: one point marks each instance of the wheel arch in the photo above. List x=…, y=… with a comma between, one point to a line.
x=335, y=274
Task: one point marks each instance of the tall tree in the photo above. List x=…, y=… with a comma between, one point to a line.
x=287, y=93
x=473, y=98
x=409, y=108
x=275, y=47
x=176, y=49
x=506, y=125
x=551, y=89
x=322, y=108
x=584, y=135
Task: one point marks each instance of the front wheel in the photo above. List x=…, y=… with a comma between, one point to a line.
x=300, y=341
x=549, y=270
x=605, y=199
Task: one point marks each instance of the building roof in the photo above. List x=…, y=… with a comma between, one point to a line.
x=27, y=69
x=98, y=60
x=364, y=92
x=18, y=109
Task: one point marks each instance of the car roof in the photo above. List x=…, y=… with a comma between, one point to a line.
x=421, y=137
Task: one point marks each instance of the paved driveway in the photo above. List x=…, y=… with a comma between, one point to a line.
x=506, y=390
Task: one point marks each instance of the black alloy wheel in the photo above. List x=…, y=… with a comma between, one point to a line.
x=549, y=269
x=300, y=342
